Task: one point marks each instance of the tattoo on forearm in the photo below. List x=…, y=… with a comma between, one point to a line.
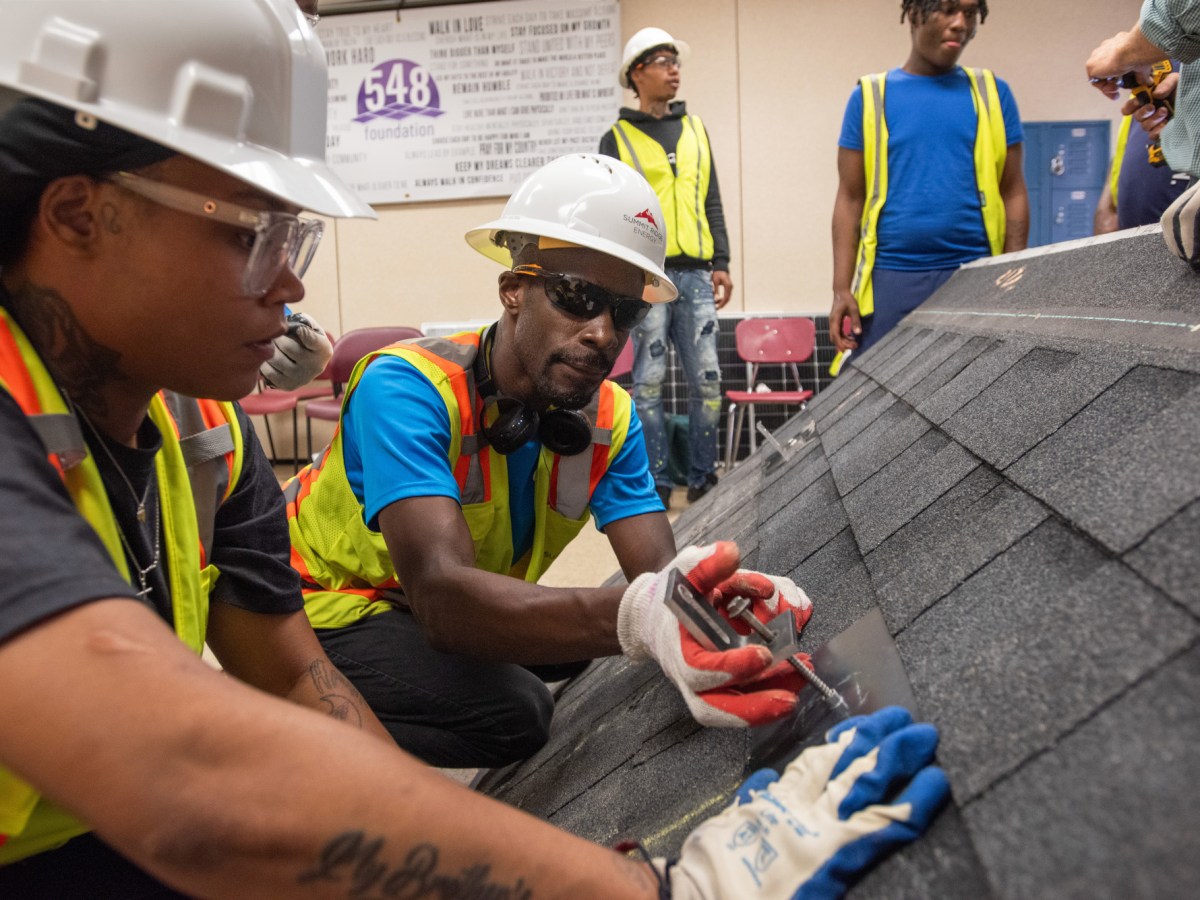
x=337, y=693
x=353, y=860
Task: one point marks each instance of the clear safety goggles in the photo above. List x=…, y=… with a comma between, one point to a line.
x=280, y=239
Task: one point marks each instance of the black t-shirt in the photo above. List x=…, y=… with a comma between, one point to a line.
x=53, y=560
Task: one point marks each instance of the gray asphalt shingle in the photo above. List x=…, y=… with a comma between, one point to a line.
x=1012, y=478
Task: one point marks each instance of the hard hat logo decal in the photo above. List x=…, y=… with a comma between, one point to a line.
x=645, y=226
x=648, y=216
x=396, y=89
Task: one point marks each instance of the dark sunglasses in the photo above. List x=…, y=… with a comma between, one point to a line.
x=577, y=297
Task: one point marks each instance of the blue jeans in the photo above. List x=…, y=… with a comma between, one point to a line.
x=690, y=323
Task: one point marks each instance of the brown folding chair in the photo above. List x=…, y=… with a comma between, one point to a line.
x=347, y=351
x=784, y=342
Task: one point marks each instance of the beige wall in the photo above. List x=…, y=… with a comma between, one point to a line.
x=770, y=78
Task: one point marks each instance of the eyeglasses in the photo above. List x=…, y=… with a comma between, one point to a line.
x=280, y=239
x=585, y=300
x=665, y=62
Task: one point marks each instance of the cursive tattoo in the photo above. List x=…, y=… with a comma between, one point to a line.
x=352, y=859
x=340, y=697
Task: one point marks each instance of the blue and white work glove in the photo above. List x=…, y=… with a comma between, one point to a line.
x=299, y=356
x=836, y=811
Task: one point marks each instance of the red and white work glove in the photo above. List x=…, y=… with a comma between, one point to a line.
x=299, y=355
x=732, y=688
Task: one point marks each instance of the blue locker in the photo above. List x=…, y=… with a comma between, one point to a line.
x=1066, y=164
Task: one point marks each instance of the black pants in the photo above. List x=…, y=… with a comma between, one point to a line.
x=445, y=709
x=83, y=868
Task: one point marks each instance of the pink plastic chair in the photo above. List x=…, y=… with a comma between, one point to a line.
x=347, y=351
x=624, y=363
x=785, y=342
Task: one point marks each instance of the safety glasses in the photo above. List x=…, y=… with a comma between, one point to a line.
x=585, y=300
x=280, y=239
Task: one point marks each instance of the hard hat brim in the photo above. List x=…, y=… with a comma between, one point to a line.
x=659, y=288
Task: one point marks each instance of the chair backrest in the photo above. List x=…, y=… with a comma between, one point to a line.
x=354, y=345
x=786, y=340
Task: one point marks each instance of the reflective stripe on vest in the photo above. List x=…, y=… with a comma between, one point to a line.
x=991, y=150
x=346, y=567
x=681, y=190
x=30, y=823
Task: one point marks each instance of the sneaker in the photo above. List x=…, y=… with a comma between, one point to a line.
x=664, y=494
x=695, y=493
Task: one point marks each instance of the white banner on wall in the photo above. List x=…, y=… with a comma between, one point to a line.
x=439, y=103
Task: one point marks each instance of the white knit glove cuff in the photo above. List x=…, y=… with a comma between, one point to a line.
x=633, y=617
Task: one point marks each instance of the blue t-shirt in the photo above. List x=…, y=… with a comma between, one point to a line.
x=399, y=448
x=932, y=217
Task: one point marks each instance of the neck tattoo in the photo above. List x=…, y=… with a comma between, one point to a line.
x=142, y=574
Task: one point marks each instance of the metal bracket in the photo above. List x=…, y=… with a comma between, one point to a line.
x=713, y=632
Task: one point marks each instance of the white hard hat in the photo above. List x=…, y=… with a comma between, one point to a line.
x=237, y=84
x=585, y=200
x=648, y=39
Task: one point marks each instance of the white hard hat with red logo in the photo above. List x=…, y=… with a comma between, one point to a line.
x=585, y=200
x=648, y=39
x=240, y=86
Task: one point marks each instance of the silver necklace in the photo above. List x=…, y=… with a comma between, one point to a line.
x=143, y=574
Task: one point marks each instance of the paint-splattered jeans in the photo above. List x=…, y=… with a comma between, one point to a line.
x=691, y=324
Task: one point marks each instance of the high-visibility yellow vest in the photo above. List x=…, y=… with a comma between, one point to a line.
x=1114, y=171
x=991, y=150
x=681, y=191
x=345, y=567
x=197, y=468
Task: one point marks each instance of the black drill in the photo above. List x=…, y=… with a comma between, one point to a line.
x=1143, y=93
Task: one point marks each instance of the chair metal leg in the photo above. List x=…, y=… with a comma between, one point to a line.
x=729, y=437
x=737, y=431
x=295, y=443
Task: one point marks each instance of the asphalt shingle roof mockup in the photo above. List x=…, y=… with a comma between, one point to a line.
x=1012, y=479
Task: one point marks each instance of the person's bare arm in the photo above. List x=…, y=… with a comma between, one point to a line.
x=642, y=543
x=1121, y=53
x=221, y=790
x=464, y=609
x=847, y=220
x=1104, y=220
x=281, y=655
x=1016, y=199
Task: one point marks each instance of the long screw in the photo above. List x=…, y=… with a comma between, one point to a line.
x=739, y=607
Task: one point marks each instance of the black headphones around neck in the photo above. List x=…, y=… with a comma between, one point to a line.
x=562, y=431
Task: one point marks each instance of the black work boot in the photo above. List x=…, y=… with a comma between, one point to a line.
x=695, y=493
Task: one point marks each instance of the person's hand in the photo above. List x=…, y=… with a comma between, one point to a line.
x=299, y=356
x=722, y=287
x=1153, y=119
x=844, y=305
x=769, y=595
x=733, y=688
x=1180, y=228
x=838, y=809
